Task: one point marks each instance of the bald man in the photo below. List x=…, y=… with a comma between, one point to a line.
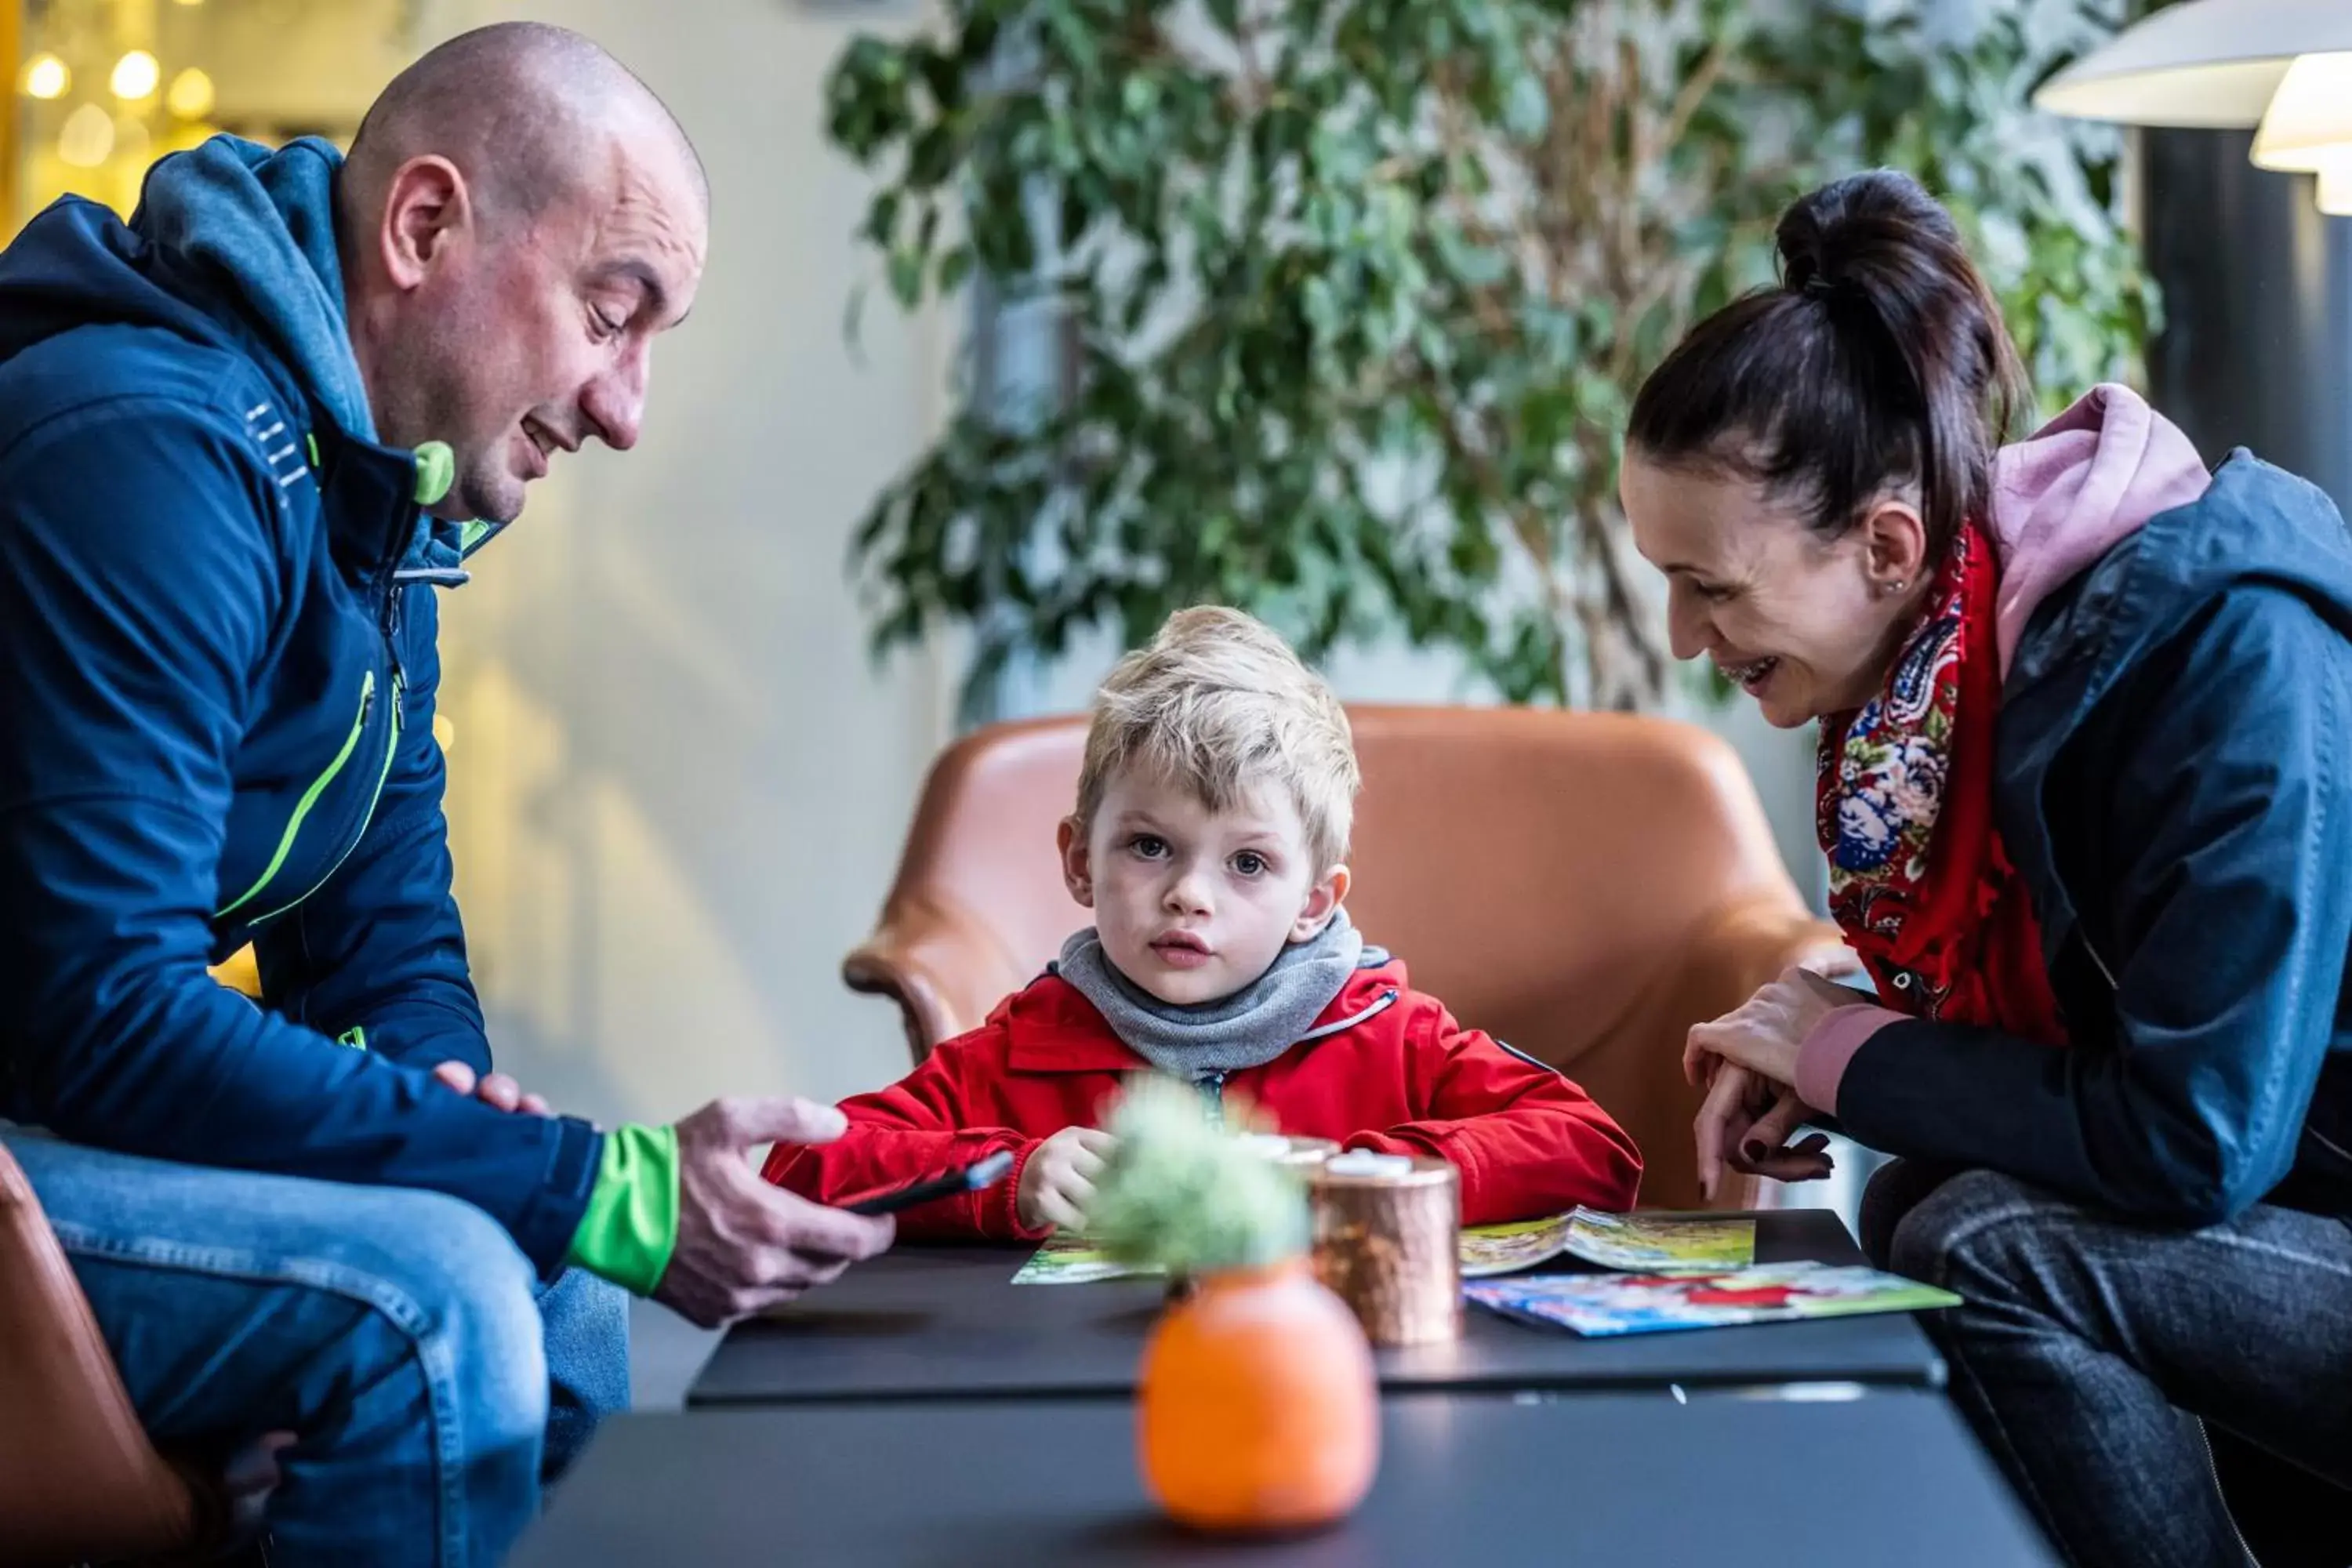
x=246, y=440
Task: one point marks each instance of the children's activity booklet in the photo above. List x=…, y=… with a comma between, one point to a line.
x=1595, y=1305
x=1067, y=1259
x=1676, y=1271
x=1655, y=1243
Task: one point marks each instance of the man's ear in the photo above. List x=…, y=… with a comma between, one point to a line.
x=1077, y=861
x=425, y=205
x=1323, y=901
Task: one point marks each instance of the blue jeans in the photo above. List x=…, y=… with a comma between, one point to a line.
x=431, y=1381
x=2105, y=1364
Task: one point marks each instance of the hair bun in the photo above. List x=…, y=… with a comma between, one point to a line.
x=1903, y=378
x=1863, y=230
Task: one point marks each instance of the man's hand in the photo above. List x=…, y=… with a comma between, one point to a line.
x=496, y=1089
x=743, y=1245
x=1058, y=1182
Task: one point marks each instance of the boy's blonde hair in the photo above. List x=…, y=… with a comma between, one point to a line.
x=1220, y=704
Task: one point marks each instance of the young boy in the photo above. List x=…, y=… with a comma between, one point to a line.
x=1212, y=826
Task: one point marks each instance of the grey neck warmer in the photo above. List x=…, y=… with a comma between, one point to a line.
x=1246, y=1029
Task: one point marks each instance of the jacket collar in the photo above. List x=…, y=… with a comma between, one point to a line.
x=368, y=491
x=1055, y=1030
x=376, y=523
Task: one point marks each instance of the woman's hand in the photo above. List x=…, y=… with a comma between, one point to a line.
x=1745, y=1123
x=1748, y=1059
x=1763, y=1033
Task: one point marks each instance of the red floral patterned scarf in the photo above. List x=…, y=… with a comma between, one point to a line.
x=1919, y=879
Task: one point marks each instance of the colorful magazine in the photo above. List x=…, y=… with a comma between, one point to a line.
x=1507, y=1248
x=1597, y=1305
x=1067, y=1259
x=1654, y=1243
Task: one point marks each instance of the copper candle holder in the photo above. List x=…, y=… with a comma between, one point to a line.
x=1387, y=1242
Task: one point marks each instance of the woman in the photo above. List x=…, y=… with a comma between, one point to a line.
x=2085, y=712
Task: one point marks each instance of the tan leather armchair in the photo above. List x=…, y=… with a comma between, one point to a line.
x=1585, y=885
x=79, y=1482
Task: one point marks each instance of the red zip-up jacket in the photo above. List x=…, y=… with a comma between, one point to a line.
x=1385, y=1068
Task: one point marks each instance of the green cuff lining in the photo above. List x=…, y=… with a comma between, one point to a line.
x=630, y=1228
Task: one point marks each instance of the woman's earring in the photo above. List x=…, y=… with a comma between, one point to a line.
x=1896, y=586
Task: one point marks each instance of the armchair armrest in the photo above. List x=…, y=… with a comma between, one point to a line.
x=1748, y=942
x=943, y=965
x=77, y=1477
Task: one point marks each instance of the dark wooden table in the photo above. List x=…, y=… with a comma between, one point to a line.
x=1885, y=1478
x=936, y=1322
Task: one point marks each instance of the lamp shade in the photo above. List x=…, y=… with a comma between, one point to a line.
x=2308, y=126
x=2335, y=187
x=2209, y=63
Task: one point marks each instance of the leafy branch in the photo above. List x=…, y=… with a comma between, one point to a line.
x=1349, y=302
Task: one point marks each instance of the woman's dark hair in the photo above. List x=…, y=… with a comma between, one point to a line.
x=1880, y=362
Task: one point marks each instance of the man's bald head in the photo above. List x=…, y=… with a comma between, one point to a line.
x=519, y=218
x=519, y=107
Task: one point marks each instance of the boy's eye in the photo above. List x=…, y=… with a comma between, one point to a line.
x=1249, y=862
x=1149, y=847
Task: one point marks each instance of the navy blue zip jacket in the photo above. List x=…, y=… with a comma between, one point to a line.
x=216, y=625
x=2174, y=782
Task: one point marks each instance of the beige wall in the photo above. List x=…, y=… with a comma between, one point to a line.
x=678, y=785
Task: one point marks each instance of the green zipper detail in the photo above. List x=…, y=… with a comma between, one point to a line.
x=310, y=798
x=382, y=775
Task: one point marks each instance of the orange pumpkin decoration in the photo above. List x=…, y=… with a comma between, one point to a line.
x=1258, y=1409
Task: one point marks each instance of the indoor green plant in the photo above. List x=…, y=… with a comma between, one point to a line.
x=1349, y=301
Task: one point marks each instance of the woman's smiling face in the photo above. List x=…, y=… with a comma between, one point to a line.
x=1807, y=624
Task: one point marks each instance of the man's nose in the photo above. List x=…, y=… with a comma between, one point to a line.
x=613, y=405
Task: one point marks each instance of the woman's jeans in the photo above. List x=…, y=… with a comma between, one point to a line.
x=431, y=1380
x=2094, y=1355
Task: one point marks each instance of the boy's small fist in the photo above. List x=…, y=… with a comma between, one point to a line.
x=1058, y=1185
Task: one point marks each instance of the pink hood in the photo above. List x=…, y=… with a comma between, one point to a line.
x=2068, y=493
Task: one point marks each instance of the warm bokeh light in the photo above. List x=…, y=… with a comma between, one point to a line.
x=102, y=89
x=135, y=77
x=46, y=77
x=190, y=96
x=135, y=145
x=87, y=138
